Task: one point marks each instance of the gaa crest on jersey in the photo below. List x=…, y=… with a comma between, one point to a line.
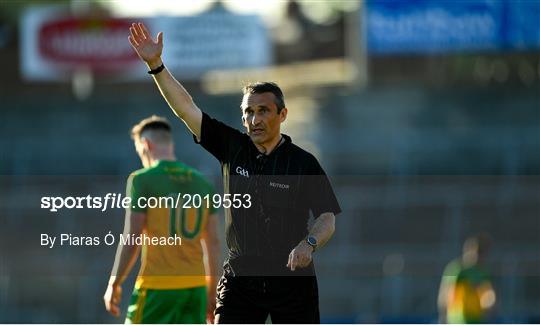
x=242, y=171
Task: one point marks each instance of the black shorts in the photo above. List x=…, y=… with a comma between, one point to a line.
x=250, y=299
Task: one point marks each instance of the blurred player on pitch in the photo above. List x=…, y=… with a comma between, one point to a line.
x=171, y=286
x=466, y=294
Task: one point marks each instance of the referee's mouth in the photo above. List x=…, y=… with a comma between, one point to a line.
x=257, y=131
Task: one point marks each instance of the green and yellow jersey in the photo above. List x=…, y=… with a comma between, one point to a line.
x=171, y=266
x=467, y=286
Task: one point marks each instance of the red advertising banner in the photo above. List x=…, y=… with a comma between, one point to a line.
x=96, y=43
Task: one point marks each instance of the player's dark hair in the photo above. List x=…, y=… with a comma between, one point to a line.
x=266, y=87
x=481, y=242
x=153, y=122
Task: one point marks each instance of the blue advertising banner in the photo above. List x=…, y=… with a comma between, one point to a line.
x=420, y=26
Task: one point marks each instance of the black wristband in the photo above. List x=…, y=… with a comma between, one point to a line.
x=157, y=70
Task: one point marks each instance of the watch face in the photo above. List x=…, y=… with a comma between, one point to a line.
x=312, y=241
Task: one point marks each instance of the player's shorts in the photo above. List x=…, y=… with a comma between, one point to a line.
x=251, y=299
x=166, y=306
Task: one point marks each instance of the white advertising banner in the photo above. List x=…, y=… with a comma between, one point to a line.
x=214, y=40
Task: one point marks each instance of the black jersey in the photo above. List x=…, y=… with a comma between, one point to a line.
x=285, y=187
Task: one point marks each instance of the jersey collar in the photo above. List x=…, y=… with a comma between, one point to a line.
x=285, y=140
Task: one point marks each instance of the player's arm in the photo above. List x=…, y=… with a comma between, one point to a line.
x=175, y=94
x=487, y=296
x=445, y=289
x=211, y=243
x=126, y=256
x=322, y=230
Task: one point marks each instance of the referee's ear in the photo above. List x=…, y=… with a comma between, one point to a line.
x=283, y=114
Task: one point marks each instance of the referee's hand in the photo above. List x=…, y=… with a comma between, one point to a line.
x=300, y=256
x=148, y=49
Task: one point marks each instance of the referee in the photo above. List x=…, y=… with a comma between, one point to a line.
x=269, y=269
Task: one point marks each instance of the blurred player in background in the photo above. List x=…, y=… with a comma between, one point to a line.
x=172, y=286
x=466, y=294
x=269, y=269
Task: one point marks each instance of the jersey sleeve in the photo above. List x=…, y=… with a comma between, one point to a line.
x=216, y=137
x=451, y=272
x=319, y=189
x=135, y=190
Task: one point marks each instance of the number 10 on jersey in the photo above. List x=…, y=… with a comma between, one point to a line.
x=185, y=221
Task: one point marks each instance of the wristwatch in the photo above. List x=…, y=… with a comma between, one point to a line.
x=312, y=241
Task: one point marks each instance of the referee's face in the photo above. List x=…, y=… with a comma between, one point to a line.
x=260, y=117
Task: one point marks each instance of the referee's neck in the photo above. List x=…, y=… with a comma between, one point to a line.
x=267, y=148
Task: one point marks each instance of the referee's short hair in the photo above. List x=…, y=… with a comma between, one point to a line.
x=160, y=127
x=260, y=87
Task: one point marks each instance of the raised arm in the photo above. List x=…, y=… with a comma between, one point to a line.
x=179, y=100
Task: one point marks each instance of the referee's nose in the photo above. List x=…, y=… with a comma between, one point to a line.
x=256, y=120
